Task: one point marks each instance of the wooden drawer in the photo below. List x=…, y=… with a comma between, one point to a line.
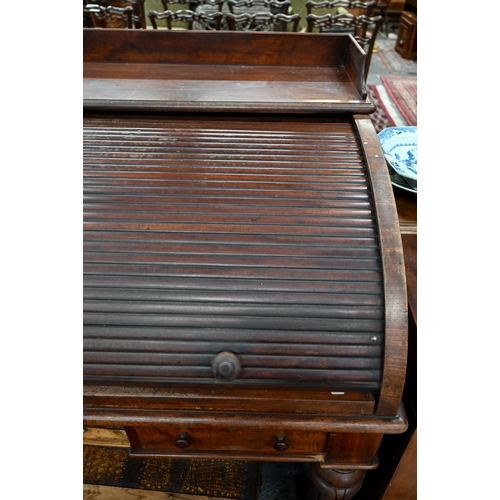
x=193, y=440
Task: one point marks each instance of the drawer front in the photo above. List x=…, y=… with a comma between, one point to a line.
x=191, y=439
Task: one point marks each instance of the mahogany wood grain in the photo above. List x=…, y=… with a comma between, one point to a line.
x=349, y=449
x=259, y=71
x=337, y=484
x=109, y=415
x=177, y=339
x=159, y=440
x=264, y=232
x=230, y=399
x=396, y=315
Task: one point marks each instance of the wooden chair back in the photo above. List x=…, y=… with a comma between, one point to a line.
x=138, y=15
x=204, y=20
x=193, y=4
x=253, y=6
x=262, y=21
x=109, y=17
x=355, y=7
x=380, y=9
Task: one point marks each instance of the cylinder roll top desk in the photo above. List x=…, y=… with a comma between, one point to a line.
x=244, y=287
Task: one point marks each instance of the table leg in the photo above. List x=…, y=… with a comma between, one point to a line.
x=337, y=484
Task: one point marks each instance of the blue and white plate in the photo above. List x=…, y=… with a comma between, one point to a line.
x=399, y=145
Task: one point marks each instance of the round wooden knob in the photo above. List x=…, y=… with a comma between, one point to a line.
x=182, y=440
x=226, y=366
x=281, y=444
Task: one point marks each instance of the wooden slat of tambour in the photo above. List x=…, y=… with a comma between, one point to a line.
x=166, y=270
x=396, y=315
x=232, y=260
x=218, y=321
x=330, y=243
x=215, y=248
x=269, y=348
x=361, y=193
x=207, y=217
x=232, y=309
x=164, y=360
x=240, y=228
x=204, y=218
x=340, y=292
x=224, y=296
x=347, y=379
x=241, y=335
x=215, y=201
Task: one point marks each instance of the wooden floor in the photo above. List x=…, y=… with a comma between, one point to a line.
x=118, y=438
x=96, y=492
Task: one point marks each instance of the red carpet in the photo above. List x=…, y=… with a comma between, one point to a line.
x=381, y=119
x=396, y=101
x=402, y=91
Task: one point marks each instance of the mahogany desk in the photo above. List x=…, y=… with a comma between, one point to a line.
x=244, y=282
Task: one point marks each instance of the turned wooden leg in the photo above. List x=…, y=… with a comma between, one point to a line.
x=337, y=484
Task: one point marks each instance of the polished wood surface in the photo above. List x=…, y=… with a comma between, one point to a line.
x=271, y=237
x=194, y=71
x=235, y=253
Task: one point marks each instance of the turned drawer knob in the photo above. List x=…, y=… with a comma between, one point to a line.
x=225, y=366
x=280, y=444
x=182, y=440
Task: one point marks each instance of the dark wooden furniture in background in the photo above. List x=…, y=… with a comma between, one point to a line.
x=108, y=17
x=411, y=6
x=138, y=14
x=244, y=285
x=406, y=44
x=210, y=21
x=358, y=22
x=260, y=21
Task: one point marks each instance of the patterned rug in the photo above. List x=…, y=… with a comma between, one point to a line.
x=381, y=119
x=396, y=101
x=110, y=466
x=403, y=93
x=393, y=62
